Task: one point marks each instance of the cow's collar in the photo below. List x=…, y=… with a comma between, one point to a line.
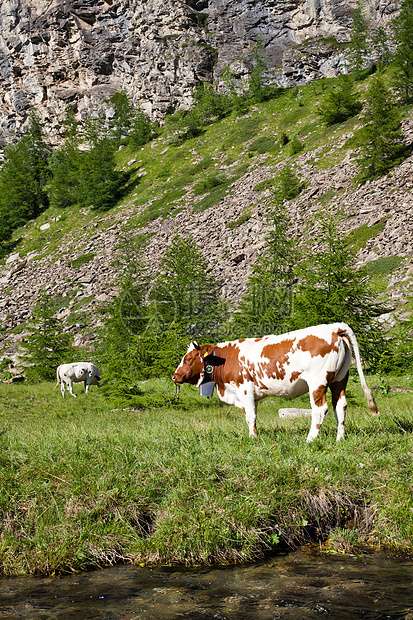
x=206, y=388
x=209, y=366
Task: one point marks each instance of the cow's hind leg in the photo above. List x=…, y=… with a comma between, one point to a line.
x=319, y=409
x=88, y=382
x=62, y=388
x=338, y=397
x=251, y=417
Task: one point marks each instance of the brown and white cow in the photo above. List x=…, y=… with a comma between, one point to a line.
x=307, y=360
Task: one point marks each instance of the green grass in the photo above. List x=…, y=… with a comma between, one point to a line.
x=263, y=144
x=379, y=270
x=383, y=266
x=83, y=259
x=86, y=483
x=241, y=220
x=242, y=131
x=358, y=237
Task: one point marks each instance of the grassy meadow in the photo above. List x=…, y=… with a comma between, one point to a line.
x=90, y=482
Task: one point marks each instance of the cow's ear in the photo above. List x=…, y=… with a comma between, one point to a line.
x=194, y=346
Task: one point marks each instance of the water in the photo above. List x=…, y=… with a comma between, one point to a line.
x=299, y=585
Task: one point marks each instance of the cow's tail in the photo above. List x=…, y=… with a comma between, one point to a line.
x=58, y=377
x=345, y=330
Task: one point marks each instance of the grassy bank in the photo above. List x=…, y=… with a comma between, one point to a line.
x=85, y=482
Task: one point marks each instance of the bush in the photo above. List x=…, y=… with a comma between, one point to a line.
x=296, y=146
x=340, y=103
x=209, y=184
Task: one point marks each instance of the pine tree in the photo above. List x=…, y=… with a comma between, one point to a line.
x=340, y=103
x=383, y=145
x=381, y=46
x=121, y=121
x=84, y=169
x=123, y=351
x=147, y=328
x=23, y=177
x=403, y=33
x=331, y=289
x=259, y=68
x=142, y=130
x=64, y=188
x=101, y=183
x=267, y=303
x=186, y=293
x=359, y=37
x=47, y=345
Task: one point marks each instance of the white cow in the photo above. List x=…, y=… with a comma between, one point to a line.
x=68, y=374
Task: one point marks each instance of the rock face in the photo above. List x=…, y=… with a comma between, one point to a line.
x=79, y=52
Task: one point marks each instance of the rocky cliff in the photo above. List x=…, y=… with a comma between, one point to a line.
x=56, y=52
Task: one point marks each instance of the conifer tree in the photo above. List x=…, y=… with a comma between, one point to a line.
x=358, y=37
x=186, y=292
x=149, y=326
x=64, y=187
x=142, y=130
x=47, y=345
x=23, y=177
x=403, y=33
x=259, y=68
x=100, y=181
x=121, y=121
x=381, y=46
x=123, y=349
x=185, y=303
x=266, y=306
x=331, y=289
x=83, y=170
x=383, y=145
x=267, y=303
x=340, y=103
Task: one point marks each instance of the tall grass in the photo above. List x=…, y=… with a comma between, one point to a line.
x=86, y=483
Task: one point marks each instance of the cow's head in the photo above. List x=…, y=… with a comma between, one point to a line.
x=192, y=367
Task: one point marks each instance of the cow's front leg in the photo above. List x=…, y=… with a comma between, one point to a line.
x=319, y=409
x=70, y=388
x=87, y=383
x=251, y=417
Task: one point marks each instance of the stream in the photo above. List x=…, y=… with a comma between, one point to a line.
x=302, y=584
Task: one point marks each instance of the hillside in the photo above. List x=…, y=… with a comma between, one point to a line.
x=70, y=253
